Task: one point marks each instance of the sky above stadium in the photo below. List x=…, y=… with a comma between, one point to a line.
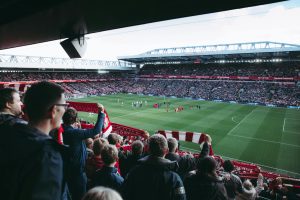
x=278, y=22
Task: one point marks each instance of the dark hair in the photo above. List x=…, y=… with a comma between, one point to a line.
x=228, y=166
x=172, y=144
x=40, y=97
x=6, y=95
x=113, y=138
x=137, y=147
x=70, y=116
x=109, y=154
x=157, y=145
x=207, y=165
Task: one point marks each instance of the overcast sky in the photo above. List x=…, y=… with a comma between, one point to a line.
x=279, y=22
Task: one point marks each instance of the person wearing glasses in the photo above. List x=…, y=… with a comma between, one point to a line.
x=74, y=137
x=31, y=161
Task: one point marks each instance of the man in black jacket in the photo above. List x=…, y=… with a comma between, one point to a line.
x=31, y=162
x=10, y=106
x=137, y=149
x=153, y=178
x=205, y=184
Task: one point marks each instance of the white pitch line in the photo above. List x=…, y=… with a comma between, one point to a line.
x=229, y=132
x=270, y=141
x=283, y=125
x=291, y=132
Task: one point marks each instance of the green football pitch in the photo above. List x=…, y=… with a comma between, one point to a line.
x=266, y=136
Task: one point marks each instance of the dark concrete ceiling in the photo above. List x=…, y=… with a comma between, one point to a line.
x=24, y=22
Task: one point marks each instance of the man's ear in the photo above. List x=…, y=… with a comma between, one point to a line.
x=52, y=112
x=8, y=105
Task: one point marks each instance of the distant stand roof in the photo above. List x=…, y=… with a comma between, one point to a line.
x=209, y=53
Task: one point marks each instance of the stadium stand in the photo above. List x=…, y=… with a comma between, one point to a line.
x=262, y=83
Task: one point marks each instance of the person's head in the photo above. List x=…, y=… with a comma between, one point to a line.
x=158, y=145
x=120, y=139
x=70, y=116
x=98, y=145
x=89, y=143
x=247, y=184
x=228, y=166
x=102, y=193
x=113, y=138
x=172, y=145
x=109, y=154
x=10, y=102
x=137, y=147
x=45, y=101
x=208, y=166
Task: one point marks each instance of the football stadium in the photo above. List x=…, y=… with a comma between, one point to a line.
x=213, y=121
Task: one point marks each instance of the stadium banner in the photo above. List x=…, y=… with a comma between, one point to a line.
x=252, y=78
x=93, y=108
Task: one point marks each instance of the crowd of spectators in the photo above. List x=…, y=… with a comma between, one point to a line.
x=228, y=69
x=240, y=91
x=40, y=76
x=262, y=92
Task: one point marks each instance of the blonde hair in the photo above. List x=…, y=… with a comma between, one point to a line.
x=247, y=184
x=102, y=193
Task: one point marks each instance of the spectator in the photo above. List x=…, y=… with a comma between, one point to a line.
x=233, y=183
x=108, y=176
x=131, y=160
x=33, y=167
x=74, y=137
x=10, y=106
x=249, y=192
x=186, y=163
x=102, y=193
x=205, y=183
x=116, y=140
x=89, y=147
x=95, y=162
x=153, y=179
